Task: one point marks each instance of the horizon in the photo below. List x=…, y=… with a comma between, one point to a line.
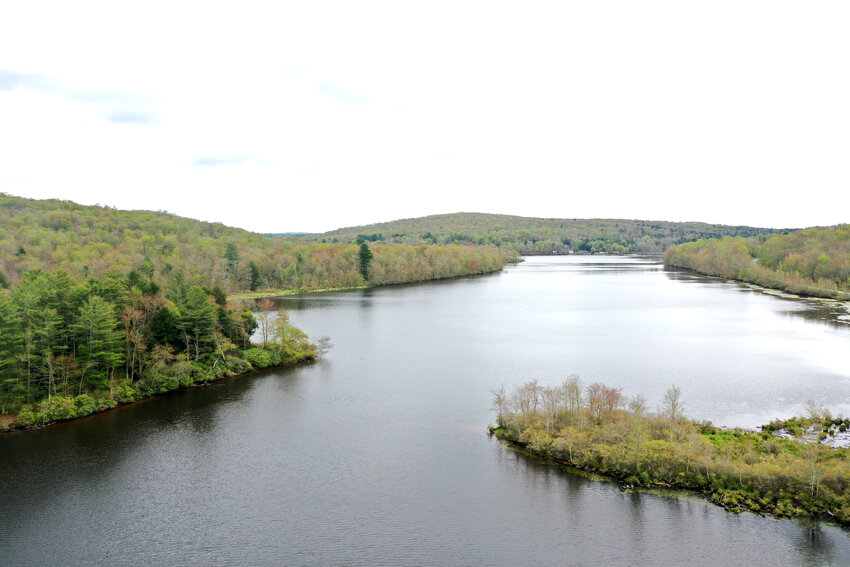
x=353, y=226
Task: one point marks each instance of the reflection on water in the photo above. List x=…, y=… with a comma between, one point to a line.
x=377, y=454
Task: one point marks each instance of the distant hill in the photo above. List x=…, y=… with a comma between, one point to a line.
x=528, y=235
x=92, y=240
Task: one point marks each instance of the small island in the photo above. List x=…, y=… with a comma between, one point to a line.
x=597, y=429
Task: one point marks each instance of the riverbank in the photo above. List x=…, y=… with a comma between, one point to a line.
x=270, y=292
x=807, y=263
x=590, y=429
x=180, y=376
x=781, y=492
x=243, y=295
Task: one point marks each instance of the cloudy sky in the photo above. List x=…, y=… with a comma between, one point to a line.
x=308, y=116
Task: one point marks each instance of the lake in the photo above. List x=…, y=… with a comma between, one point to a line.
x=378, y=453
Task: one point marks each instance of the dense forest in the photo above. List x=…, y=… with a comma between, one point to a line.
x=540, y=236
x=597, y=429
x=72, y=347
x=814, y=262
x=100, y=306
x=89, y=241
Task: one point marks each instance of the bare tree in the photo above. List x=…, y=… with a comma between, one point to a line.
x=324, y=344
x=571, y=391
x=816, y=411
x=500, y=404
x=264, y=319
x=637, y=406
x=551, y=398
x=673, y=405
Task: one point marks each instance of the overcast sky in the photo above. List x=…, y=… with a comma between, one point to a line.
x=309, y=115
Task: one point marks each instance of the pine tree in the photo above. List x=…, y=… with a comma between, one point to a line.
x=256, y=277
x=11, y=340
x=365, y=256
x=197, y=321
x=100, y=343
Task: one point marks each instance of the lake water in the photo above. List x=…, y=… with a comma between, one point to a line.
x=378, y=453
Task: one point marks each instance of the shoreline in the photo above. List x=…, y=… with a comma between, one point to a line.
x=734, y=501
x=806, y=292
x=244, y=295
x=8, y=425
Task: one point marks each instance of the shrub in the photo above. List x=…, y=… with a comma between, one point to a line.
x=85, y=404
x=59, y=408
x=123, y=392
x=258, y=357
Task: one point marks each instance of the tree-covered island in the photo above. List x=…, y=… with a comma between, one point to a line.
x=596, y=429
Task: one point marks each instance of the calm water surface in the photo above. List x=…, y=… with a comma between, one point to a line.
x=378, y=455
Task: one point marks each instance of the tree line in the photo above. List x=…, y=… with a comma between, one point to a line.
x=595, y=427
x=89, y=241
x=814, y=261
x=529, y=235
x=70, y=347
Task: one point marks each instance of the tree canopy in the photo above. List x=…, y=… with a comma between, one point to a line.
x=529, y=235
x=814, y=261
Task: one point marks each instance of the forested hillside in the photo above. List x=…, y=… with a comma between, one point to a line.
x=100, y=307
x=89, y=241
x=815, y=261
x=529, y=235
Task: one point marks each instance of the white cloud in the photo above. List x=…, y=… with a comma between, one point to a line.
x=319, y=115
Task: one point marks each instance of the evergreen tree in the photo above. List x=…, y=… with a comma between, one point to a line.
x=256, y=277
x=365, y=256
x=100, y=344
x=197, y=321
x=11, y=340
x=231, y=259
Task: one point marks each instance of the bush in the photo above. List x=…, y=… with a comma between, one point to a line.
x=59, y=408
x=258, y=357
x=238, y=365
x=28, y=417
x=123, y=392
x=85, y=404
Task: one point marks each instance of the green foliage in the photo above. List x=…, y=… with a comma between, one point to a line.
x=814, y=261
x=365, y=256
x=737, y=469
x=255, y=276
x=90, y=241
x=71, y=348
x=539, y=236
x=98, y=342
x=258, y=357
x=196, y=320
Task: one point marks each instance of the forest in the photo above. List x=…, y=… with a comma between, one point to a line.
x=529, y=235
x=71, y=347
x=100, y=307
x=812, y=262
x=88, y=241
x=597, y=429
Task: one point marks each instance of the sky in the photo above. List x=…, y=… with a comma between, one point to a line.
x=309, y=116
